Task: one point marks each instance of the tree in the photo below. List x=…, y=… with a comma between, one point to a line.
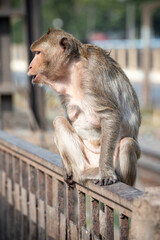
x=83, y=16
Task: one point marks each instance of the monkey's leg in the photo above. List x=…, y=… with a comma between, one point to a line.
x=70, y=148
x=109, y=137
x=126, y=166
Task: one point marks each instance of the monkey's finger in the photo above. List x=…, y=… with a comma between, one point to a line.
x=110, y=182
x=106, y=181
x=70, y=182
x=69, y=176
x=101, y=182
x=115, y=180
x=95, y=181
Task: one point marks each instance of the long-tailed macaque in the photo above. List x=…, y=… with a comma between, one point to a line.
x=97, y=139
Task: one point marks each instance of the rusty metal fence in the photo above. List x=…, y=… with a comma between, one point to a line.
x=35, y=203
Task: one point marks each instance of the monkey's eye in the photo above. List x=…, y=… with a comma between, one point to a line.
x=37, y=52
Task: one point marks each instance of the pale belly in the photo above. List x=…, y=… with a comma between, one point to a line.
x=90, y=133
x=92, y=152
x=88, y=129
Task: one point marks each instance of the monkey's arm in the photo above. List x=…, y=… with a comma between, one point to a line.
x=110, y=128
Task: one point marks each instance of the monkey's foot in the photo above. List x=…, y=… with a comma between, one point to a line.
x=68, y=177
x=107, y=178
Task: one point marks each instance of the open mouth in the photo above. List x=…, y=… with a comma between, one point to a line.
x=34, y=77
x=36, y=80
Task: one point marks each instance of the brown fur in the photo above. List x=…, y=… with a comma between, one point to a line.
x=98, y=138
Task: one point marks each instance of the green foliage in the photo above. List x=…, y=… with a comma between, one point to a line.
x=81, y=17
x=17, y=24
x=56, y=9
x=16, y=3
x=17, y=30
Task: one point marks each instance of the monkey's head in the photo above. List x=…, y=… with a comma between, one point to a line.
x=54, y=51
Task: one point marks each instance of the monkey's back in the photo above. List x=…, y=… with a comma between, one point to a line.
x=109, y=89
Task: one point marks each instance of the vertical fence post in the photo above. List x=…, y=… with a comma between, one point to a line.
x=25, y=200
x=70, y=211
x=123, y=227
x=33, y=202
x=61, y=218
x=41, y=206
x=95, y=219
x=110, y=223
x=50, y=213
x=81, y=212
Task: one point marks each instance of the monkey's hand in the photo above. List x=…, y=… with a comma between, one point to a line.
x=107, y=176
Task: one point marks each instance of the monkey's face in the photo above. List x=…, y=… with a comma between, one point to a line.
x=36, y=67
x=53, y=52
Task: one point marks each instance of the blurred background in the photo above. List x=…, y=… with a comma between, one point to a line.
x=130, y=29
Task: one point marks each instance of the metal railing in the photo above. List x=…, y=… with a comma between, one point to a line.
x=36, y=203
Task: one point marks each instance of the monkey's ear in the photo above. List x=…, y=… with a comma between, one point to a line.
x=50, y=30
x=65, y=45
